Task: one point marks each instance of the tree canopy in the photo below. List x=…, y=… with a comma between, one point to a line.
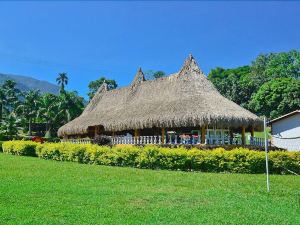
x=62, y=80
x=242, y=84
x=152, y=74
x=19, y=110
x=94, y=85
x=277, y=97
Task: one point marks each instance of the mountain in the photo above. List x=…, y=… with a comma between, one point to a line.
x=25, y=83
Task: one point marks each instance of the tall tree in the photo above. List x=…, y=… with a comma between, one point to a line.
x=49, y=111
x=277, y=97
x=2, y=102
x=62, y=81
x=235, y=84
x=70, y=106
x=9, y=125
x=12, y=95
x=242, y=83
x=94, y=85
x=275, y=65
x=29, y=107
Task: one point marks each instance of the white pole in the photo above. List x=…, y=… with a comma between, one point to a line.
x=266, y=151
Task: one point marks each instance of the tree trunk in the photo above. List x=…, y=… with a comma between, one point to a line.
x=1, y=111
x=29, y=127
x=48, y=130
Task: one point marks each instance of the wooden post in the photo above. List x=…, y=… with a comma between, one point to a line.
x=243, y=135
x=96, y=130
x=136, y=133
x=231, y=136
x=163, y=135
x=252, y=132
x=203, y=131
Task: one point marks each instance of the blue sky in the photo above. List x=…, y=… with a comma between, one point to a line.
x=91, y=39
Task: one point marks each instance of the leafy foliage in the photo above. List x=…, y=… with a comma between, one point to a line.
x=27, y=148
x=94, y=85
x=239, y=160
x=234, y=84
x=18, y=111
x=49, y=111
x=277, y=97
x=62, y=80
x=29, y=107
x=70, y=105
x=275, y=65
x=242, y=84
x=9, y=125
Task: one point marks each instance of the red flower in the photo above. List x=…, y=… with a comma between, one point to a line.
x=38, y=139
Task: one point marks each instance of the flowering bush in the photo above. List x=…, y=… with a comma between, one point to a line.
x=20, y=147
x=239, y=160
x=37, y=139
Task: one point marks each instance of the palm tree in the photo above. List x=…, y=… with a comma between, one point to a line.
x=49, y=111
x=70, y=106
x=29, y=107
x=11, y=95
x=9, y=125
x=62, y=80
x=2, y=102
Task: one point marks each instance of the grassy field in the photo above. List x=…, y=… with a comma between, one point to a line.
x=35, y=191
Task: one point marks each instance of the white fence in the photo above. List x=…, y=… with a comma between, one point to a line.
x=213, y=140
x=138, y=140
x=217, y=140
x=257, y=141
x=76, y=141
x=144, y=140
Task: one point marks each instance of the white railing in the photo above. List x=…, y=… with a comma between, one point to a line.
x=175, y=139
x=141, y=140
x=217, y=140
x=212, y=140
x=76, y=141
x=257, y=141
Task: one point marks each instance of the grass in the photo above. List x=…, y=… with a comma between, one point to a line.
x=35, y=191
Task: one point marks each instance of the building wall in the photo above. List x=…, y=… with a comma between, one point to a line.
x=286, y=133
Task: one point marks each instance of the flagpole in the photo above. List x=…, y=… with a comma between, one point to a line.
x=266, y=151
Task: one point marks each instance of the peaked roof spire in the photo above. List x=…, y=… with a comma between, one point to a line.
x=138, y=78
x=103, y=87
x=190, y=65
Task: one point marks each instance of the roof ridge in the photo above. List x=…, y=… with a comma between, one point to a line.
x=138, y=78
x=190, y=65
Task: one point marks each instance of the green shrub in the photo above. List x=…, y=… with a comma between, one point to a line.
x=27, y=148
x=238, y=160
x=1, y=142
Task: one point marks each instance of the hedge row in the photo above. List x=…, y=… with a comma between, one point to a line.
x=238, y=160
x=27, y=148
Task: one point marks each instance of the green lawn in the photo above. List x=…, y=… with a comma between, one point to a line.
x=36, y=191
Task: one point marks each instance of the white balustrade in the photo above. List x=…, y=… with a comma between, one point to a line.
x=76, y=141
x=144, y=140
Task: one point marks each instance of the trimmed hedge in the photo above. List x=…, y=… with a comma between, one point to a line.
x=239, y=160
x=27, y=148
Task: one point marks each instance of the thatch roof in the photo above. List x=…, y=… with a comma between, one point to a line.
x=183, y=99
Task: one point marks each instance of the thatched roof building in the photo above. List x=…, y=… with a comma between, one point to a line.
x=183, y=99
